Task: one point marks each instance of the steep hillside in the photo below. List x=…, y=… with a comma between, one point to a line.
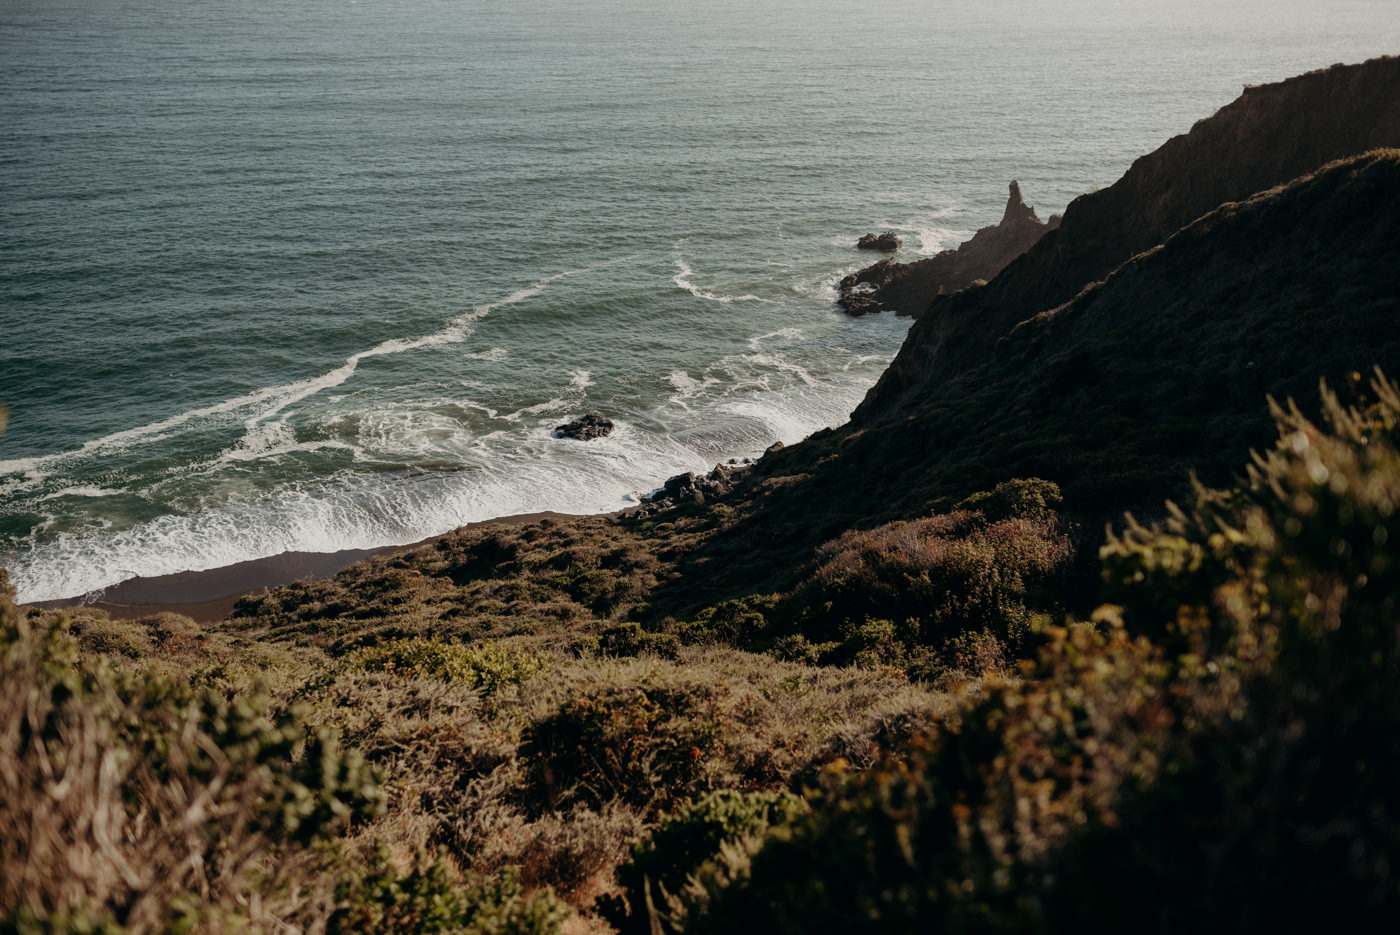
x=1271, y=134
x=1158, y=371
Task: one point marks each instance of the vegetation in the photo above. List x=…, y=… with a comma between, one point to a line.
x=891, y=682
x=1218, y=749
x=404, y=785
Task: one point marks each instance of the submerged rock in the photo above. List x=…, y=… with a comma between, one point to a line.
x=585, y=429
x=886, y=242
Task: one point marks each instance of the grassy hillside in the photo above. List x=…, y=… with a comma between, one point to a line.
x=888, y=682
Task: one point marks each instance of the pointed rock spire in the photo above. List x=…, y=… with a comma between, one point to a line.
x=1016, y=209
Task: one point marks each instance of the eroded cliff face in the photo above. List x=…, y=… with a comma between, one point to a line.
x=1268, y=136
x=907, y=288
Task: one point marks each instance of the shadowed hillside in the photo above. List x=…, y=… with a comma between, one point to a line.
x=1156, y=372
x=1270, y=135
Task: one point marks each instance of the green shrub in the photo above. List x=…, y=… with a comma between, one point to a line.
x=1218, y=751
x=740, y=622
x=649, y=744
x=134, y=800
x=1020, y=498
x=428, y=898
x=484, y=666
x=680, y=847
x=630, y=639
x=907, y=593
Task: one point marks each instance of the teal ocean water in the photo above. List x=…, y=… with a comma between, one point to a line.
x=325, y=275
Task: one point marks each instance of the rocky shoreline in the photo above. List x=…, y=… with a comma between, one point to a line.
x=907, y=288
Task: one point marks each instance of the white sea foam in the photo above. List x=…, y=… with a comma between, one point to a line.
x=779, y=384
x=528, y=473
x=515, y=472
x=936, y=239
x=683, y=280
x=687, y=386
x=778, y=362
x=80, y=490
x=787, y=334
x=272, y=400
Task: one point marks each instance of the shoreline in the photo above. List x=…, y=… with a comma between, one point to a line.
x=209, y=596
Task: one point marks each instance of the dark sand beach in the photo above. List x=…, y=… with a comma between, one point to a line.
x=209, y=596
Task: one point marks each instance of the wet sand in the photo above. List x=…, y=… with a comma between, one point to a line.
x=209, y=596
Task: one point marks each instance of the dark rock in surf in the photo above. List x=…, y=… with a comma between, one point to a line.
x=585, y=429
x=886, y=242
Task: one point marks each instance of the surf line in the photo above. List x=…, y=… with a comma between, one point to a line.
x=283, y=395
x=683, y=281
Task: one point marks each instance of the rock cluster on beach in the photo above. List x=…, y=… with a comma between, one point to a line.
x=692, y=488
x=907, y=288
x=585, y=428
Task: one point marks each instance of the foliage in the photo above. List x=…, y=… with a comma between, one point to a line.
x=741, y=621
x=649, y=744
x=427, y=899
x=1030, y=498
x=485, y=666
x=632, y=639
x=913, y=593
x=651, y=734
x=1218, y=751
x=660, y=865
x=142, y=802
x=586, y=574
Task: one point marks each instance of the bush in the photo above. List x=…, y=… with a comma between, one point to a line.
x=140, y=802
x=682, y=844
x=906, y=593
x=1020, y=498
x=427, y=899
x=487, y=667
x=740, y=622
x=1218, y=751
x=630, y=639
x=649, y=744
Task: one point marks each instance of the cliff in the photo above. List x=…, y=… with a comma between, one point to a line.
x=1159, y=371
x=907, y=288
x=1271, y=134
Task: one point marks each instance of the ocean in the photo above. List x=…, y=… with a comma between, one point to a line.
x=325, y=275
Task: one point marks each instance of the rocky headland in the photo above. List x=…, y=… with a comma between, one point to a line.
x=1268, y=136
x=907, y=288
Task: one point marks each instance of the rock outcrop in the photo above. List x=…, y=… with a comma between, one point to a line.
x=692, y=488
x=886, y=242
x=1268, y=136
x=907, y=288
x=585, y=429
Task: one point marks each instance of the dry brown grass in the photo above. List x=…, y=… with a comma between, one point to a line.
x=91, y=829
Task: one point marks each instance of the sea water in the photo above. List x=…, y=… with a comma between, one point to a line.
x=326, y=274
